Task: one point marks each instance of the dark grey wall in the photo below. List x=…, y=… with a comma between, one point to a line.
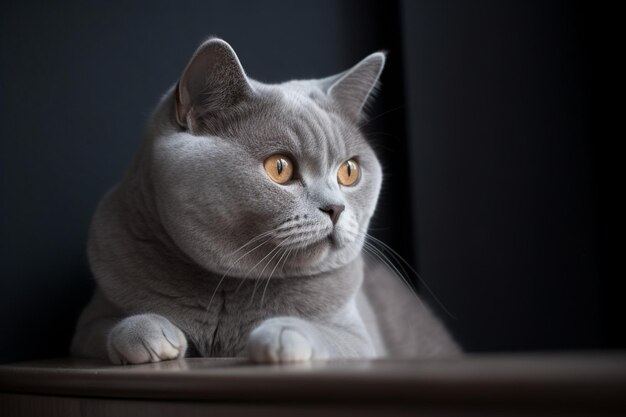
x=489, y=194
x=499, y=98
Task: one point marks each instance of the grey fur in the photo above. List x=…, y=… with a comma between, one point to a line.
x=197, y=246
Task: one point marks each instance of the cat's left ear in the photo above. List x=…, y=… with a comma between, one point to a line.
x=213, y=81
x=351, y=89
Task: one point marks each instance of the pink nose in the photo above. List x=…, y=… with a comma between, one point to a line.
x=333, y=210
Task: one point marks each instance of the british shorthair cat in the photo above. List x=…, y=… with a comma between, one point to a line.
x=238, y=229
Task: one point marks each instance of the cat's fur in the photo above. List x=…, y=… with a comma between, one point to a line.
x=184, y=247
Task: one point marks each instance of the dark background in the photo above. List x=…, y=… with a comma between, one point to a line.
x=484, y=126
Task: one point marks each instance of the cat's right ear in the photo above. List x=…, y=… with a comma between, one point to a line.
x=214, y=80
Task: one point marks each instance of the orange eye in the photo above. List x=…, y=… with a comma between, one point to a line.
x=349, y=173
x=279, y=168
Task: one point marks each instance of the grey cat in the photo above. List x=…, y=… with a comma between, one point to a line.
x=238, y=229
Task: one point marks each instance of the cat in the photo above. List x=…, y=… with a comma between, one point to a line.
x=239, y=226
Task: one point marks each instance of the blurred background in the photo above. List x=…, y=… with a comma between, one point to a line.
x=483, y=124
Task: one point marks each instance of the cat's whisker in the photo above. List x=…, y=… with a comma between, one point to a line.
x=254, y=239
x=419, y=277
x=254, y=267
x=377, y=255
x=241, y=281
x=287, y=252
x=248, y=273
x=208, y=307
x=247, y=253
x=404, y=274
x=274, y=252
x=382, y=257
x=223, y=277
x=277, y=251
x=389, y=264
x=283, y=228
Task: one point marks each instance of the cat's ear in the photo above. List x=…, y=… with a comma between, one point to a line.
x=351, y=89
x=212, y=81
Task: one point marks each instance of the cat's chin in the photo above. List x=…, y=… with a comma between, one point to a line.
x=311, y=254
x=318, y=256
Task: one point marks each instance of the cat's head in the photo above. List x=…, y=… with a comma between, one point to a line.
x=253, y=179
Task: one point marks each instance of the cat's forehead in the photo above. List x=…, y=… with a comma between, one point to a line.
x=300, y=122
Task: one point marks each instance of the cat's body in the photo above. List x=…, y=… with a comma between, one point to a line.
x=197, y=251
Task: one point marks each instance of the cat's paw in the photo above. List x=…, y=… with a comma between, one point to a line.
x=282, y=340
x=145, y=338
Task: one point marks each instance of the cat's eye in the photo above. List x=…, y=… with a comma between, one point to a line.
x=349, y=173
x=279, y=168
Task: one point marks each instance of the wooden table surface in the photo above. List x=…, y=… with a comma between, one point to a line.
x=589, y=383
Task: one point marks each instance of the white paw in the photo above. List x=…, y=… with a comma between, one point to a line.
x=145, y=338
x=277, y=341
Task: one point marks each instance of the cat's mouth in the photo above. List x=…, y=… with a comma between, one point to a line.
x=321, y=245
x=330, y=239
x=313, y=249
x=313, y=244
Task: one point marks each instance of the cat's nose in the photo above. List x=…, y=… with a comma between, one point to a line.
x=333, y=210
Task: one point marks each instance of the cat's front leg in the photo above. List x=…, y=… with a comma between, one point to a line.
x=291, y=339
x=145, y=338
